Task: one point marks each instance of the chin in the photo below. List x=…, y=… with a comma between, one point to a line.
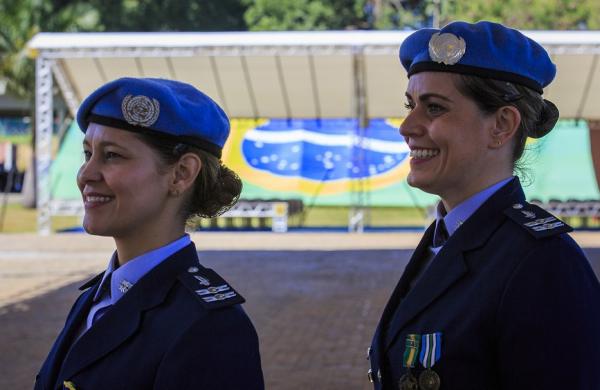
x=423, y=184
x=416, y=181
x=90, y=228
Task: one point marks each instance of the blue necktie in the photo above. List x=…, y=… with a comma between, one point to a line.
x=440, y=235
x=102, y=305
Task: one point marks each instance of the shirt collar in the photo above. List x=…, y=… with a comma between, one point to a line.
x=125, y=276
x=458, y=215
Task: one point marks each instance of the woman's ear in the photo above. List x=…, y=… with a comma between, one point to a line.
x=508, y=120
x=185, y=172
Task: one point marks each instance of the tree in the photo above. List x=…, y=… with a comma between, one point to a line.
x=521, y=14
x=19, y=22
x=530, y=14
x=170, y=15
x=284, y=15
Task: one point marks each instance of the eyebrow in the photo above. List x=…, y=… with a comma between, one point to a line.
x=427, y=96
x=105, y=144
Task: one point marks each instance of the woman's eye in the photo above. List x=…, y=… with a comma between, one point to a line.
x=87, y=155
x=434, y=108
x=111, y=155
x=408, y=106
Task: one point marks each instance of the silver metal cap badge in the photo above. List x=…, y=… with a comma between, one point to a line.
x=140, y=110
x=446, y=48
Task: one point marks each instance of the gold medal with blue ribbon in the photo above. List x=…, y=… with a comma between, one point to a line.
x=411, y=353
x=431, y=350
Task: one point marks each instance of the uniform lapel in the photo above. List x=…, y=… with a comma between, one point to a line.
x=446, y=268
x=410, y=271
x=70, y=330
x=122, y=320
x=449, y=265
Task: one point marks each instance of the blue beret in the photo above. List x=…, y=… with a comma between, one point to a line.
x=158, y=107
x=484, y=49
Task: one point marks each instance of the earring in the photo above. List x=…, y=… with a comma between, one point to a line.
x=498, y=142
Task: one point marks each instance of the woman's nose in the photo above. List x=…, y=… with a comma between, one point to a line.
x=410, y=126
x=89, y=171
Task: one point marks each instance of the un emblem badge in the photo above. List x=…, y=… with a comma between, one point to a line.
x=140, y=110
x=446, y=48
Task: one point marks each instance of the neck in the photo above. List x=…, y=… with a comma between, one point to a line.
x=131, y=247
x=453, y=199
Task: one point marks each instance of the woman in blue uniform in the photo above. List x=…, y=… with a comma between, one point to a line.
x=496, y=295
x=156, y=318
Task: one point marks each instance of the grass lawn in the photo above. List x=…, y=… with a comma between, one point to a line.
x=333, y=217
x=22, y=220
x=19, y=219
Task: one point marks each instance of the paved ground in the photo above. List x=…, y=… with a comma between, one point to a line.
x=315, y=311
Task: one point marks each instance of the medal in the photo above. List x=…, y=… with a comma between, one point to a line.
x=408, y=380
x=429, y=380
x=431, y=349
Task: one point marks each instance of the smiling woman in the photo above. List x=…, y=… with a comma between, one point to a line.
x=496, y=291
x=155, y=318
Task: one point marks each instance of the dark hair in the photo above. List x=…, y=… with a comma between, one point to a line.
x=538, y=116
x=216, y=189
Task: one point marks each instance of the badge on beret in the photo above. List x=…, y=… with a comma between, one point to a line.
x=446, y=48
x=140, y=110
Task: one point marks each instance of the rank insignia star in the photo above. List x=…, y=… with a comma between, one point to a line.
x=124, y=286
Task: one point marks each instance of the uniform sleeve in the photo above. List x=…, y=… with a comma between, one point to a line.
x=549, y=321
x=219, y=351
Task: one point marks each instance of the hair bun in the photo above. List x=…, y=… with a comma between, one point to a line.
x=548, y=118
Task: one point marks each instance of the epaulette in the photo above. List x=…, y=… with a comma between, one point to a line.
x=210, y=289
x=91, y=282
x=537, y=221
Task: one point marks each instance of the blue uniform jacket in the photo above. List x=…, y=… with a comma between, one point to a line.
x=179, y=327
x=514, y=297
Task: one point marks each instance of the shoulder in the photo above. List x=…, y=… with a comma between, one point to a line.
x=535, y=220
x=536, y=240
x=543, y=235
x=216, y=351
x=208, y=288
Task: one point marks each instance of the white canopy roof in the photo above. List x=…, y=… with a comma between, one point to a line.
x=293, y=74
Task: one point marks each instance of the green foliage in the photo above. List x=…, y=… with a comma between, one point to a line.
x=282, y=15
x=170, y=15
x=530, y=14
x=20, y=21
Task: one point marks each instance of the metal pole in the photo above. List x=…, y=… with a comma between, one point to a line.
x=356, y=218
x=43, y=141
x=437, y=5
